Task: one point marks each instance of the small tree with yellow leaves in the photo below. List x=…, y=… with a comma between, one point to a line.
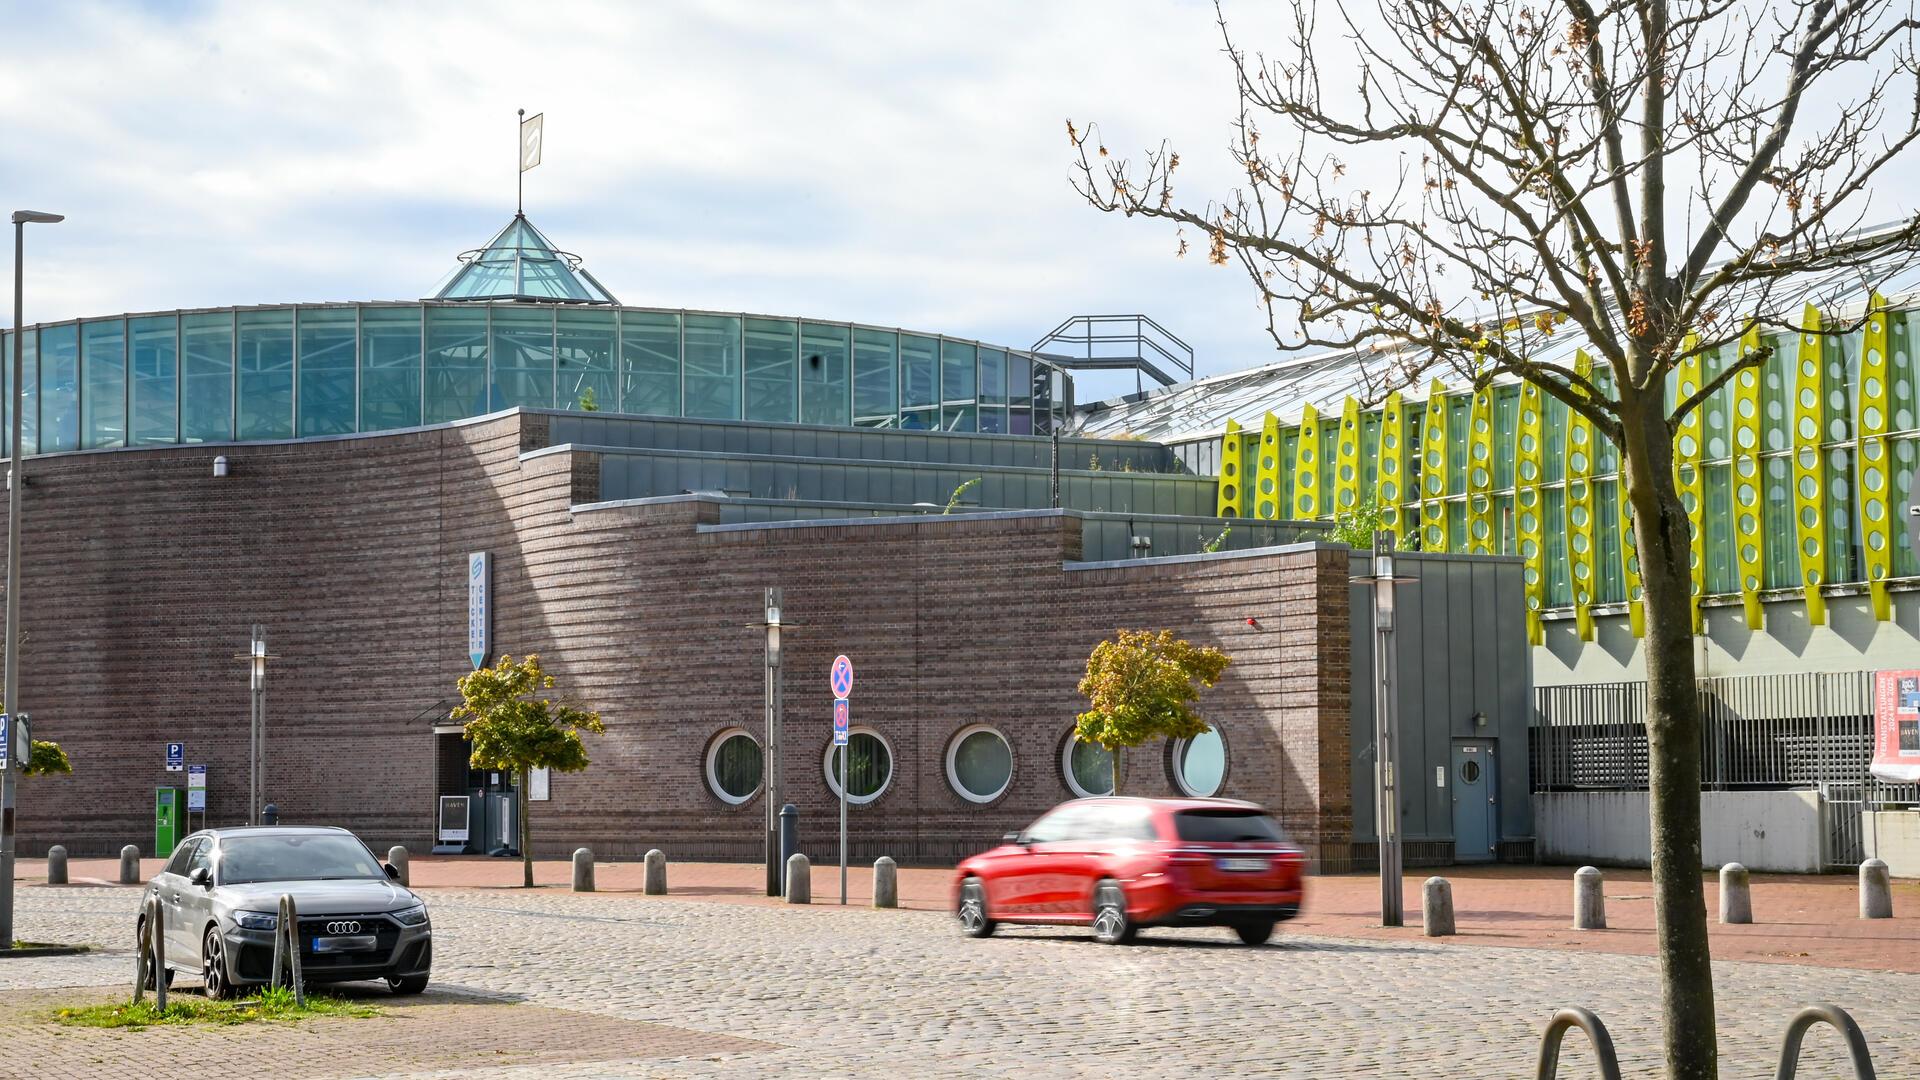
x=513, y=729
x=1141, y=685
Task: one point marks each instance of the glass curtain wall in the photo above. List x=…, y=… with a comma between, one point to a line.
x=300, y=372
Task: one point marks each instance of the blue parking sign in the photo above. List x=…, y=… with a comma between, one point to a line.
x=176, y=756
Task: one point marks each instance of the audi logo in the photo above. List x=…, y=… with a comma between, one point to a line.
x=350, y=926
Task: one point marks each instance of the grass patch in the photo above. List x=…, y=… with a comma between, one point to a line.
x=271, y=1004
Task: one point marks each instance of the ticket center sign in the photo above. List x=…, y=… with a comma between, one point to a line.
x=1896, y=726
x=479, y=578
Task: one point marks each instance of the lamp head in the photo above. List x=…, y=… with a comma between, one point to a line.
x=36, y=217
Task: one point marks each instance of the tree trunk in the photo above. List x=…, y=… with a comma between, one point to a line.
x=526, y=849
x=1661, y=538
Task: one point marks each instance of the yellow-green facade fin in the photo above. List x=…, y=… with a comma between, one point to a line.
x=1266, y=473
x=1580, y=544
x=1809, y=478
x=1691, y=478
x=1346, y=460
x=1308, y=500
x=1433, y=470
x=1749, y=534
x=1873, y=470
x=1227, y=491
x=1528, y=511
x=1480, y=473
x=1389, y=471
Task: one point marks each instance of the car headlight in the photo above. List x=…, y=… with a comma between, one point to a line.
x=256, y=920
x=413, y=916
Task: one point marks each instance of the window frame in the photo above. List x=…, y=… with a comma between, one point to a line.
x=826, y=766
x=953, y=754
x=720, y=739
x=1066, y=768
x=1177, y=773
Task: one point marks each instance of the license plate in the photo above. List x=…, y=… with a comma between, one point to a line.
x=349, y=943
x=1241, y=866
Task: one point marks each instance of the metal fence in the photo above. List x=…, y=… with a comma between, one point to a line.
x=1802, y=730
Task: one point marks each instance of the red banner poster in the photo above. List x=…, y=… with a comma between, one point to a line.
x=1896, y=726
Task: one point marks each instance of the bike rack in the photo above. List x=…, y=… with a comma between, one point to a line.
x=1557, y=1031
x=1583, y=1019
x=1842, y=1022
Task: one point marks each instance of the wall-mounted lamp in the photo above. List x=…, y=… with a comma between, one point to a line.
x=220, y=466
x=1479, y=719
x=1140, y=545
x=1254, y=623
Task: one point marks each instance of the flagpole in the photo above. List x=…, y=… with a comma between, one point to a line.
x=519, y=172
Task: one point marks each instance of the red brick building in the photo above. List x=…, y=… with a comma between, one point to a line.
x=144, y=571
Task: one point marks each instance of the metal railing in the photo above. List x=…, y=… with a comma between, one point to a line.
x=1758, y=731
x=1118, y=342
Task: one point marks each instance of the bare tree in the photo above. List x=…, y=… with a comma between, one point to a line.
x=1646, y=175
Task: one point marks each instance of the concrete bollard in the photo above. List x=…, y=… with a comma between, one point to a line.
x=397, y=858
x=56, y=865
x=1436, y=907
x=583, y=870
x=129, y=865
x=1736, y=895
x=1876, y=890
x=1589, y=905
x=799, y=879
x=656, y=882
x=886, y=882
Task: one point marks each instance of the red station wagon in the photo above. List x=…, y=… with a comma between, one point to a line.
x=1122, y=864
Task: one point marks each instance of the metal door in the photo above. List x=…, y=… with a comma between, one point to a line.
x=1476, y=806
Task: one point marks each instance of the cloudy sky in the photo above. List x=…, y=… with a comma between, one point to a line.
x=899, y=164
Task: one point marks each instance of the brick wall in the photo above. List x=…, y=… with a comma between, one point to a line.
x=144, y=574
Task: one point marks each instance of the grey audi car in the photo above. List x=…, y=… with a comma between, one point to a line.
x=220, y=895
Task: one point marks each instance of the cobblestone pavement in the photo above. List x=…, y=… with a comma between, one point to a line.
x=855, y=992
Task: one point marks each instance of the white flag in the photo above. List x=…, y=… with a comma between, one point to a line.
x=530, y=141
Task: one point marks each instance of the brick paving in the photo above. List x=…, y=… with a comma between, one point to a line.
x=1801, y=919
x=857, y=992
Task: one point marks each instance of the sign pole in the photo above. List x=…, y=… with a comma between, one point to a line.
x=840, y=678
x=843, y=824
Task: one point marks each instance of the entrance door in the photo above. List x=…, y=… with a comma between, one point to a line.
x=1476, y=809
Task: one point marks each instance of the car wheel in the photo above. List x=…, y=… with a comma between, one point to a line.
x=1254, y=933
x=213, y=965
x=972, y=909
x=1111, y=926
x=146, y=955
x=407, y=984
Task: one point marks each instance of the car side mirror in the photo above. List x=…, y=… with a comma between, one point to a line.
x=393, y=872
x=202, y=877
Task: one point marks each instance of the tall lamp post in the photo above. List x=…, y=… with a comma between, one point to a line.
x=1386, y=716
x=16, y=481
x=772, y=755
x=256, y=657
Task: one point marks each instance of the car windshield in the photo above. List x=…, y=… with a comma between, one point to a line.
x=1226, y=826
x=296, y=857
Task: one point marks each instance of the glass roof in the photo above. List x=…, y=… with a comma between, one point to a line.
x=520, y=263
x=1201, y=409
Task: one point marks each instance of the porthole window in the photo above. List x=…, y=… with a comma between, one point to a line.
x=1088, y=767
x=1200, y=764
x=869, y=764
x=733, y=766
x=979, y=763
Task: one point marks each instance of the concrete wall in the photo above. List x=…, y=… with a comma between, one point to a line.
x=1893, y=837
x=1777, y=831
x=1851, y=640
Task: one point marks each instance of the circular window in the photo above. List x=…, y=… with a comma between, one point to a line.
x=1088, y=767
x=1200, y=763
x=869, y=763
x=1470, y=772
x=733, y=766
x=979, y=763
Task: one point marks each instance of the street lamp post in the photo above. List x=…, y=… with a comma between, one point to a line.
x=256, y=657
x=16, y=482
x=1386, y=714
x=772, y=764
